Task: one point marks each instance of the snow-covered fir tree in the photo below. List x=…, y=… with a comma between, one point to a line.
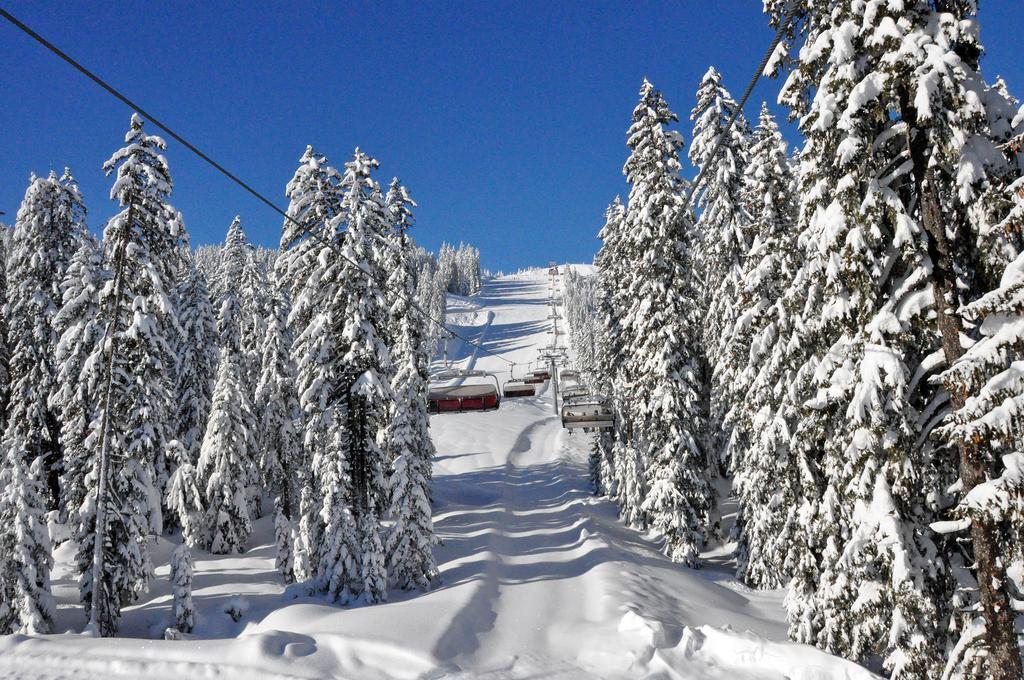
x=50, y=223
x=135, y=398
x=656, y=468
x=410, y=540
x=609, y=261
x=660, y=325
x=279, y=443
x=242, y=333
x=225, y=467
x=26, y=604
x=182, y=610
x=49, y=227
x=75, y=395
x=197, y=356
x=184, y=498
x=991, y=375
x=333, y=271
x=360, y=314
x=755, y=346
x=867, y=267
x=723, y=242
x=243, y=276
x=581, y=319
x=5, y=354
x=898, y=154
x=459, y=269
x=314, y=199
x=432, y=300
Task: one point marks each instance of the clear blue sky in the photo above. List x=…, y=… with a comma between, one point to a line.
x=506, y=120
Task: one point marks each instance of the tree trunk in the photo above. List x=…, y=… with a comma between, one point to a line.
x=99, y=595
x=990, y=570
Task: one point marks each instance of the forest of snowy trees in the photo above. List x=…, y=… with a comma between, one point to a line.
x=151, y=389
x=825, y=342
x=837, y=331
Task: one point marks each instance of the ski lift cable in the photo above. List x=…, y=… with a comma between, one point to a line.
x=784, y=24
x=227, y=173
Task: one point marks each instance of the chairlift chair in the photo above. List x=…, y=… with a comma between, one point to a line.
x=593, y=414
x=518, y=388
x=460, y=398
x=574, y=393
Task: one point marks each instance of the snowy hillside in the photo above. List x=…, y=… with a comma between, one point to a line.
x=538, y=577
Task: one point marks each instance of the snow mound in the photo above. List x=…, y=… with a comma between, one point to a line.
x=709, y=653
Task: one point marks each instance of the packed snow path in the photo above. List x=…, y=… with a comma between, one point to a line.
x=538, y=577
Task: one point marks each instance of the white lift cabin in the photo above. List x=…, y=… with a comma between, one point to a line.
x=575, y=393
x=592, y=414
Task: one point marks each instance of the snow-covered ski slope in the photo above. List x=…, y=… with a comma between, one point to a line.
x=538, y=577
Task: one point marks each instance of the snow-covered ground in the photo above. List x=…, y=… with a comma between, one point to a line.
x=538, y=577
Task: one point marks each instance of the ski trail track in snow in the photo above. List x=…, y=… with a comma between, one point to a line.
x=538, y=577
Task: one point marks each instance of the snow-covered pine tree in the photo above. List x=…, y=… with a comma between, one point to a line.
x=182, y=611
x=225, y=466
x=447, y=268
x=872, y=264
x=410, y=540
x=337, y=561
x=999, y=209
x=50, y=223
x=342, y=368
x=253, y=285
x=991, y=372
x=897, y=153
x=228, y=296
x=236, y=327
x=580, y=316
x=184, y=497
x=373, y=561
x=280, y=446
x=432, y=299
x=171, y=269
x=5, y=355
x=49, y=227
x=197, y=357
x=133, y=418
x=724, y=240
x=26, y=605
x=358, y=313
x=754, y=344
x=660, y=326
x=314, y=199
x=944, y=122
x=610, y=261
x=76, y=378
x=467, y=279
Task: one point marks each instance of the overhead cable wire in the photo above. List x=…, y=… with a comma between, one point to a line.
x=230, y=175
x=783, y=26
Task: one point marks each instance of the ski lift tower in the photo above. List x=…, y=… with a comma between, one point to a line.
x=552, y=355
